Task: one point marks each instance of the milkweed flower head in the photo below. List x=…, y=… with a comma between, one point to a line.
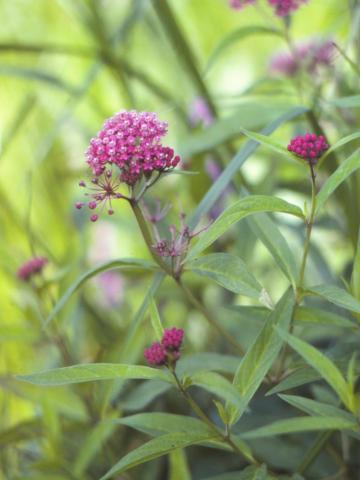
x=283, y=8
x=127, y=150
x=309, y=147
x=310, y=56
x=31, y=267
x=167, y=351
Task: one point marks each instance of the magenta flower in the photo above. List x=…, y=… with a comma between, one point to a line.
x=311, y=56
x=155, y=355
x=199, y=112
x=127, y=150
x=167, y=352
x=239, y=4
x=31, y=267
x=282, y=8
x=309, y=147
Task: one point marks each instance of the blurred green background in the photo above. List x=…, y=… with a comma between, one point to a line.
x=67, y=65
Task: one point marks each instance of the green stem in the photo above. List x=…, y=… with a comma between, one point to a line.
x=202, y=415
x=309, y=225
x=147, y=237
x=167, y=268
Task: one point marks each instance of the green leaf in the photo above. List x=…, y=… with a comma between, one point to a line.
x=271, y=237
x=318, y=316
x=227, y=270
x=271, y=144
x=352, y=101
x=301, y=424
x=327, y=369
x=350, y=165
x=218, y=385
x=249, y=114
x=156, y=423
x=300, y=376
x=241, y=209
x=143, y=394
x=312, y=407
x=91, y=372
x=156, y=320
x=207, y=361
x=262, y=353
x=338, y=144
x=156, y=448
x=215, y=191
x=235, y=36
x=122, y=263
x=337, y=296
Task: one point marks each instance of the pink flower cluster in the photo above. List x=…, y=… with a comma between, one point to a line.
x=239, y=4
x=282, y=8
x=130, y=141
x=309, y=147
x=166, y=351
x=31, y=267
x=310, y=56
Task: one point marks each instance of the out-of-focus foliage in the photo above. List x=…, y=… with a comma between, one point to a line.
x=65, y=66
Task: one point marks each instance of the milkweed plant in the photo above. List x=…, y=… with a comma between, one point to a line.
x=226, y=347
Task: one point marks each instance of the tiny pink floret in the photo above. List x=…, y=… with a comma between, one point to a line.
x=239, y=4
x=31, y=267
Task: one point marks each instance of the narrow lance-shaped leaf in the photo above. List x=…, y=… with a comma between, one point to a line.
x=156, y=448
x=350, y=165
x=228, y=271
x=340, y=143
x=327, y=369
x=121, y=263
x=262, y=353
x=178, y=466
x=301, y=424
x=241, y=209
x=156, y=320
x=94, y=371
x=218, y=385
x=271, y=237
x=271, y=144
x=158, y=423
x=337, y=296
x=315, y=408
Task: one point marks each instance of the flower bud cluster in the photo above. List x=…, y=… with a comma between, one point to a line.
x=309, y=147
x=167, y=351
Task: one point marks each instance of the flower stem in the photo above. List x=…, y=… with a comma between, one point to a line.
x=147, y=237
x=309, y=225
x=202, y=415
x=172, y=273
